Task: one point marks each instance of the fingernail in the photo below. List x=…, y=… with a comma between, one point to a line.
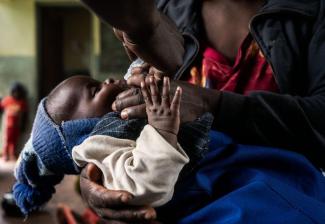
x=114, y=106
x=125, y=198
x=124, y=114
x=142, y=84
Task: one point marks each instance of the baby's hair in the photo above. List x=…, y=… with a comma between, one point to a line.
x=58, y=111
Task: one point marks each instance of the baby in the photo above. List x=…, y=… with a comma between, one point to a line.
x=74, y=125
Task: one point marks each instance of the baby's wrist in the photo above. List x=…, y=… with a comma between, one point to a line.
x=169, y=136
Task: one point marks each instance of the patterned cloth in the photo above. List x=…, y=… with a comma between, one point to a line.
x=249, y=72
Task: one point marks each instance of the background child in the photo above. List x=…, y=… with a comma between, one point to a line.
x=15, y=114
x=142, y=159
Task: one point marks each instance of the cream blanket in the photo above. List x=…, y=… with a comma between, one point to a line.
x=148, y=168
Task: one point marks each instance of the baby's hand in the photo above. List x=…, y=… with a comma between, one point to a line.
x=163, y=115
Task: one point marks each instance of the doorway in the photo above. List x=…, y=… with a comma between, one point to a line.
x=64, y=45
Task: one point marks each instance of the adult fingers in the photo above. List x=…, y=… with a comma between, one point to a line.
x=127, y=99
x=175, y=105
x=101, y=197
x=98, y=196
x=119, y=34
x=138, y=111
x=93, y=173
x=135, y=80
x=128, y=93
x=134, y=214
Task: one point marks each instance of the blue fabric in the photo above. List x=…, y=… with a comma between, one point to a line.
x=53, y=143
x=248, y=184
x=46, y=157
x=192, y=136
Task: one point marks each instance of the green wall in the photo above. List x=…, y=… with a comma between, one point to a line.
x=17, y=49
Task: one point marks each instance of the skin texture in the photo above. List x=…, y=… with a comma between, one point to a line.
x=231, y=16
x=163, y=114
x=195, y=100
x=112, y=206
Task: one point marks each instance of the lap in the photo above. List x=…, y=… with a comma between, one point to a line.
x=248, y=184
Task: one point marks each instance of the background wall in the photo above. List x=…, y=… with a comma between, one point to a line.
x=19, y=47
x=17, y=44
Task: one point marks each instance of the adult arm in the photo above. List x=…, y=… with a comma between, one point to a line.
x=148, y=33
x=262, y=118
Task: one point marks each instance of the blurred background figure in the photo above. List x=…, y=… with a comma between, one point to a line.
x=43, y=43
x=14, y=107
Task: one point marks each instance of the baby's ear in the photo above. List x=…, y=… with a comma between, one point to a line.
x=94, y=173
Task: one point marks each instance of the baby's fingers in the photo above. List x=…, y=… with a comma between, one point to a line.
x=165, y=101
x=145, y=94
x=175, y=105
x=154, y=91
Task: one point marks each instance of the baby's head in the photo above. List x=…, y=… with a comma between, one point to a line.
x=67, y=116
x=63, y=120
x=81, y=97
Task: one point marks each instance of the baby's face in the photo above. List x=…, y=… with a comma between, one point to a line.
x=88, y=97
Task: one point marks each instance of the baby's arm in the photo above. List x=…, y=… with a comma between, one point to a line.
x=147, y=168
x=163, y=115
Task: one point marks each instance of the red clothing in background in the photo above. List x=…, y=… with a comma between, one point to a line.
x=13, y=110
x=249, y=72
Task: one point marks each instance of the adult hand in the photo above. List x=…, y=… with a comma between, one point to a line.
x=161, y=47
x=119, y=34
x=148, y=33
x=112, y=206
x=195, y=100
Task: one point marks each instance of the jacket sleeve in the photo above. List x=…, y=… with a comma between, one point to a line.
x=276, y=120
x=147, y=168
x=282, y=120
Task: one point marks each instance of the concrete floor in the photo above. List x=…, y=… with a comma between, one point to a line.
x=65, y=194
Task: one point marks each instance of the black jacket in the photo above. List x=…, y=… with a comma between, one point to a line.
x=291, y=34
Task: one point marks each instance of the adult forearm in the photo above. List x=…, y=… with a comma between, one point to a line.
x=275, y=120
x=134, y=17
x=147, y=33
x=196, y=100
